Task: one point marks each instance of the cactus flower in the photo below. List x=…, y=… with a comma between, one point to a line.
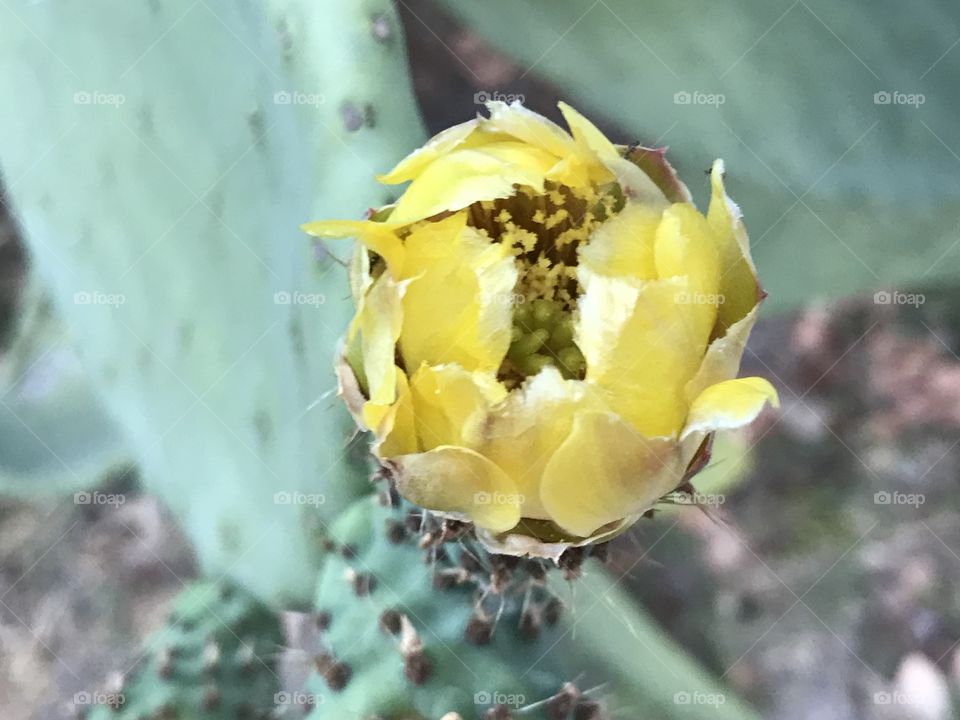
x=547, y=331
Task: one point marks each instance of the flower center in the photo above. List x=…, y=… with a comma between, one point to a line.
x=544, y=231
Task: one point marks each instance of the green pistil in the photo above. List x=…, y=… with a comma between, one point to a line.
x=543, y=335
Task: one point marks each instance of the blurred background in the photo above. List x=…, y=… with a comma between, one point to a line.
x=821, y=579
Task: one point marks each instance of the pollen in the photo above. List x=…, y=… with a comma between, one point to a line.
x=543, y=231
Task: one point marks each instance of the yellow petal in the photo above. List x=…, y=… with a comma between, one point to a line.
x=635, y=183
x=642, y=346
x=588, y=136
x=730, y=404
x=379, y=320
x=531, y=128
x=605, y=471
x=738, y=277
x=373, y=414
x=452, y=405
x=529, y=426
x=376, y=236
x=455, y=479
x=463, y=177
x=438, y=146
x=685, y=246
x=397, y=433
x=624, y=245
x=455, y=305
x=351, y=388
x=722, y=361
x=359, y=273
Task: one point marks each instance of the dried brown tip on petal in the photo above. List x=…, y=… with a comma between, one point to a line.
x=348, y=388
x=653, y=161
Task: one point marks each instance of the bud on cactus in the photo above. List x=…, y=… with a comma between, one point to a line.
x=548, y=332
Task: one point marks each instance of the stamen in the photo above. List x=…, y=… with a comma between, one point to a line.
x=543, y=231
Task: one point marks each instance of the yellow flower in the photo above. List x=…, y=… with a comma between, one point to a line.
x=548, y=332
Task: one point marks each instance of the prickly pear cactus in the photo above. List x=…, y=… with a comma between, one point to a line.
x=206, y=134
x=418, y=621
x=202, y=316
x=215, y=658
x=346, y=74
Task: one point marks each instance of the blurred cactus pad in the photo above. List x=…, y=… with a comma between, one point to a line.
x=158, y=157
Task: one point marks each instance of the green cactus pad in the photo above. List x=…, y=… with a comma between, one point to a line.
x=214, y=659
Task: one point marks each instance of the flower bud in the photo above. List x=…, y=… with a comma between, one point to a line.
x=548, y=332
